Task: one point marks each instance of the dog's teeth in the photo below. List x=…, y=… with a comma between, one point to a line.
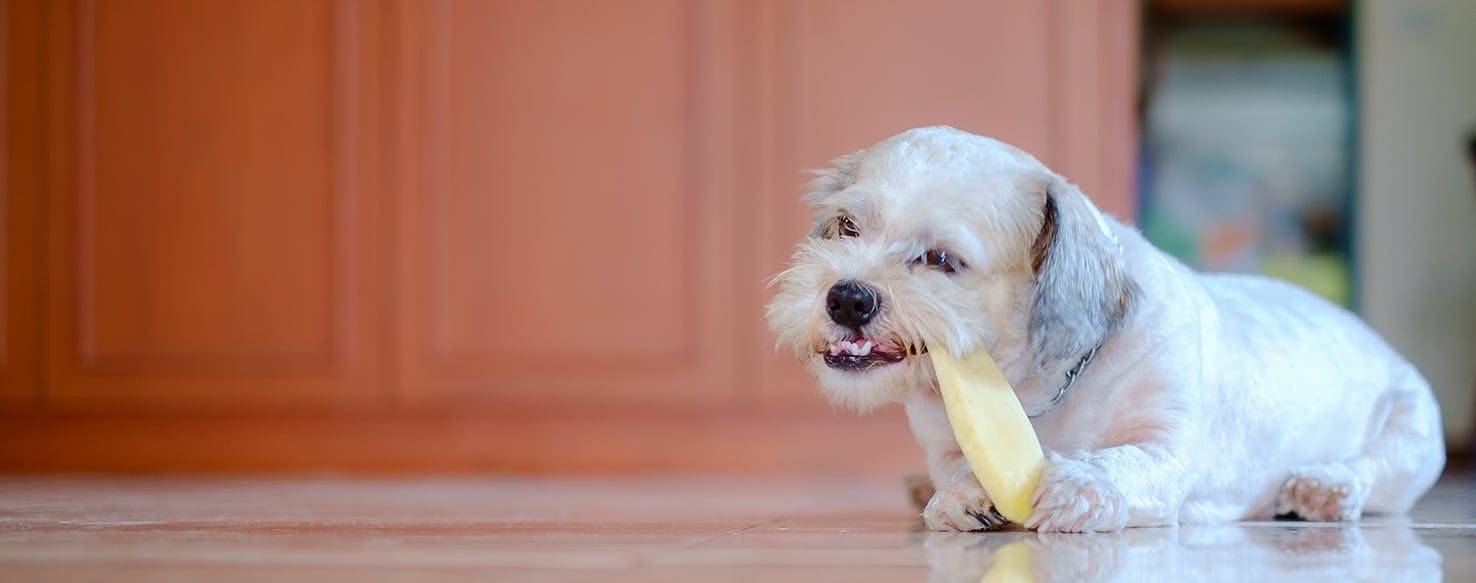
x=866, y=348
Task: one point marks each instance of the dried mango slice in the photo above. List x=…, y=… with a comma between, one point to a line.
x=991, y=429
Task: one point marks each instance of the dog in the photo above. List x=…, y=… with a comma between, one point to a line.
x=1161, y=396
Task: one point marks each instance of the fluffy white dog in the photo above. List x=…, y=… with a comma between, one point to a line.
x=1161, y=396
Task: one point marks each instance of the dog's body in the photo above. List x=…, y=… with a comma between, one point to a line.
x=1199, y=398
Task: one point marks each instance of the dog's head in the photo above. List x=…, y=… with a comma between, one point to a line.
x=940, y=237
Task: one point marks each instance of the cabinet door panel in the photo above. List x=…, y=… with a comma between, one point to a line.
x=209, y=217
x=563, y=235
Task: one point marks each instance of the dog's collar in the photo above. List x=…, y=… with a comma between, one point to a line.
x=1070, y=379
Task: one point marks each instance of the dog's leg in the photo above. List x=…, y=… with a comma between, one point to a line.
x=959, y=502
x=1108, y=490
x=1401, y=459
x=1405, y=457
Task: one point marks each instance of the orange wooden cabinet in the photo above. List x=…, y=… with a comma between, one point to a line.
x=473, y=234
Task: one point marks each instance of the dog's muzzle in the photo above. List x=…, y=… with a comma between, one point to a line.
x=852, y=304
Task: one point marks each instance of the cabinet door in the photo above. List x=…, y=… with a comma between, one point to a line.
x=212, y=217
x=1053, y=77
x=566, y=210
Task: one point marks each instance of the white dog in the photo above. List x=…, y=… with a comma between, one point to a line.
x=1161, y=396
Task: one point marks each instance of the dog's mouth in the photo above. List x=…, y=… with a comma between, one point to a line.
x=862, y=354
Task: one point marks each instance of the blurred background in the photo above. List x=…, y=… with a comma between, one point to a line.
x=532, y=236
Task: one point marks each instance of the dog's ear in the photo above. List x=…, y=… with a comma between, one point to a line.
x=1082, y=288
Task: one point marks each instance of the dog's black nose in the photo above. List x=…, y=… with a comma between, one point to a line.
x=851, y=304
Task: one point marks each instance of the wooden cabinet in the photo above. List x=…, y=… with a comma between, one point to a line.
x=495, y=234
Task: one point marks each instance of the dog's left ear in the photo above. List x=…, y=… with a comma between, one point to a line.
x=1082, y=287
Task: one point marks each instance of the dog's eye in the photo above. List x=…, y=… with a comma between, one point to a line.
x=845, y=227
x=940, y=260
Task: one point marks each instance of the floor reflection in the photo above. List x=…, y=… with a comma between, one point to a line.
x=1236, y=552
x=656, y=528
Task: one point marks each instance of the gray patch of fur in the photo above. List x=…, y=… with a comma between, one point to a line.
x=1082, y=288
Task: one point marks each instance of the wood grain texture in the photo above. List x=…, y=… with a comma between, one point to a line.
x=208, y=221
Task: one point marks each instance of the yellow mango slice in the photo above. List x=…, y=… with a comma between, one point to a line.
x=991, y=429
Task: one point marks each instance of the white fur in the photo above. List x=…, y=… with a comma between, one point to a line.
x=1212, y=398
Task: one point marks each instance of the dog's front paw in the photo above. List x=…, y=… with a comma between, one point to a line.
x=961, y=508
x=1076, y=497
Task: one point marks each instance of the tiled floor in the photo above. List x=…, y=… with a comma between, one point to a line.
x=662, y=529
